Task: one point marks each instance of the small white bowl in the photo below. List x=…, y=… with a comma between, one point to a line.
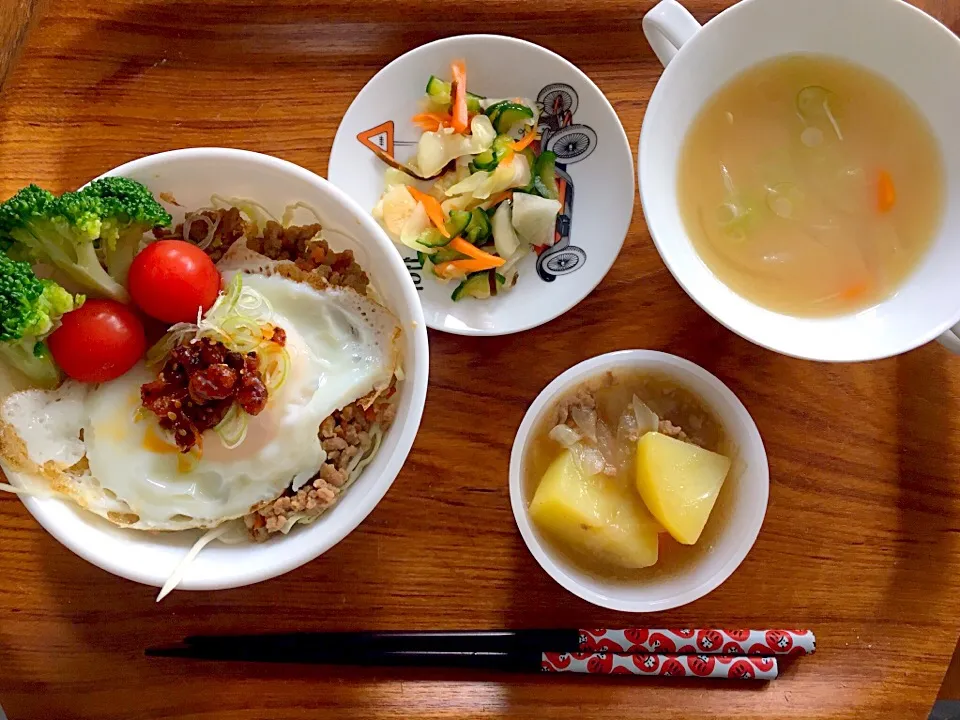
x=579, y=124
x=192, y=175
x=745, y=510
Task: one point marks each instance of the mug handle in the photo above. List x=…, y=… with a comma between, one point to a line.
x=951, y=339
x=667, y=27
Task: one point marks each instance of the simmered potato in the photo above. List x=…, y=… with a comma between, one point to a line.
x=595, y=516
x=679, y=483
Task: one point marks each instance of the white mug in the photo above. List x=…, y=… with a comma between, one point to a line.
x=891, y=38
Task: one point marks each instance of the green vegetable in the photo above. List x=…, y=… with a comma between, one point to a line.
x=509, y=115
x=440, y=93
x=29, y=311
x=480, y=285
x=494, y=110
x=544, y=180
x=489, y=159
x=110, y=215
x=457, y=223
x=445, y=254
x=432, y=238
x=128, y=210
x=478, y=230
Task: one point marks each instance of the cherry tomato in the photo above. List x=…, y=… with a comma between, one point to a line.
x=99, y=341
x=171, y=279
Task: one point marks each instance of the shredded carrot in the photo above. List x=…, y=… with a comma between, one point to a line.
x=432, y=206
x=854, y=291
x=525, y=141
x=462, y=246
x=459, y=87
x=458, y=267
x=497, y=199
x=507, y=158
x=431, y=122
x=886, y=192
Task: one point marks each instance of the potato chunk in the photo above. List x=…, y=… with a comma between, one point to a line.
x=679, y=483
x=595, y=516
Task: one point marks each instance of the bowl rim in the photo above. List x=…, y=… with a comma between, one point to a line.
x=621, y=138
x=591, y=368
x=416, y=369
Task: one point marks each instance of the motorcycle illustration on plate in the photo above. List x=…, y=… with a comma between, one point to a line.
x=572, y=142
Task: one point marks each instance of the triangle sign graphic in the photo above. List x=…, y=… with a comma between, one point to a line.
x=379, y=137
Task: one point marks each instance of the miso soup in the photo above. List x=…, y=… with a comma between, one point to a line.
x=811, y=186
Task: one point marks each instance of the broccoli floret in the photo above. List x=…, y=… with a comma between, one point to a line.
x=107, y=218
x=30, y=309
x=127, y=211
x=39, y=227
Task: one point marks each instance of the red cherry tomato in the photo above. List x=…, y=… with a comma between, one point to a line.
x=98, y=341
x=171, y=279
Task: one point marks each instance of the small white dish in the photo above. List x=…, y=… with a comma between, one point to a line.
x=749, y=483
x=192, y=176
x=891, y=38
x=579, y=124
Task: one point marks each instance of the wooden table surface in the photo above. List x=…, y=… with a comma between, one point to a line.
x=862, y=537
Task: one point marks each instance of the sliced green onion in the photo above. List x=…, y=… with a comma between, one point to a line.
x=233, y=428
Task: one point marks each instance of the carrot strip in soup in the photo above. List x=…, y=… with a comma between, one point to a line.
x=886, y=192
x=459, y=87
x=432, y=206
x=471, y=251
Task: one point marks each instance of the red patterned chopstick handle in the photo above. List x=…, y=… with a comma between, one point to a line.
x=695, y=666
x=700, y=642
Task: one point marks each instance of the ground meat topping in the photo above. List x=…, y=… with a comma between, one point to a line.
x=198, y=384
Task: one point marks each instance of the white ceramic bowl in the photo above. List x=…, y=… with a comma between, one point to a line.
x=579, y=124
x=192, y=175
x=744, y=496
x=893, y=39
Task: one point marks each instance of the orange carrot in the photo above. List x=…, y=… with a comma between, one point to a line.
x=458, y=267
x=499, y=198
x=886, y=192
x=854, y=291
x=523, y=142
x=459, y=87
x=431, y=122
x=432, y=206
x=462, y=246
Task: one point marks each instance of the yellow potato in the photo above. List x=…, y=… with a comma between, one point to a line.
x=594, y=516
x=679, y=483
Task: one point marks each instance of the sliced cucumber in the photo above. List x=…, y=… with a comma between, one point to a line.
x=495, y=109
x=439, y=92
x=457, y=224
x=509, y=115
x=545, y=176
x=480, y=285
x=478, y=230
x=445, y=254
x=432, y=238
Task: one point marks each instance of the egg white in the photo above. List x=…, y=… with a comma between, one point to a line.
x=342, y=346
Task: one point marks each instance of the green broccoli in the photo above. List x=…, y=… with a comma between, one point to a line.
x=30, y=309
x=128, y=210
x=71, y=232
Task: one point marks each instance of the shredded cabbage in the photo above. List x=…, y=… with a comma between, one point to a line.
x=535, y=218
x=436, y=149
x=191, y=555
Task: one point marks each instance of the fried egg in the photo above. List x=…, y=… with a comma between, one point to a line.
x=342, y=346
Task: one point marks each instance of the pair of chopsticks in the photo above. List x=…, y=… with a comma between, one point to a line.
x=704, y=653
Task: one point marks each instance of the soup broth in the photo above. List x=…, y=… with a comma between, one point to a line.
x=811, y=186
x=672, y=403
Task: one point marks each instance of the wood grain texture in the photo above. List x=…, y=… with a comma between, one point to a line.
x=862, y=537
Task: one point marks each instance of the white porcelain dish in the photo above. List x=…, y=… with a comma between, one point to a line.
x=191, y=176
x=749, y=482
x=578, y=123
x=890, y=37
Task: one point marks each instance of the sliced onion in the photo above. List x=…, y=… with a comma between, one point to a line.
x=647, y=419
x=607, y=445
x=586, y=420
x=212, y=226
x=588, y=459
x=565, y=435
